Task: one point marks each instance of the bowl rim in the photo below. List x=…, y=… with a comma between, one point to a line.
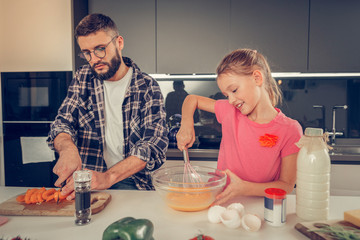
x=162, y=183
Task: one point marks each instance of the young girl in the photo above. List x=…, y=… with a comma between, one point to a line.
x=257, y=149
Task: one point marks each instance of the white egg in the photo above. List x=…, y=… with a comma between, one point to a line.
x=231, y=218
x=251, y=222
x=238, y=207
x=214, y=213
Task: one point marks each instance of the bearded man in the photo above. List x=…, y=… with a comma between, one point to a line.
x=112, y=121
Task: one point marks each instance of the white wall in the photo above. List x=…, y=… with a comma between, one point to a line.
x=36, y=35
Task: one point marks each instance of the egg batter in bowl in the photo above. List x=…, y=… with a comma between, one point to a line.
x=186, y=196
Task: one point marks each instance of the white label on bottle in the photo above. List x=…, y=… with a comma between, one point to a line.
x=275, y=211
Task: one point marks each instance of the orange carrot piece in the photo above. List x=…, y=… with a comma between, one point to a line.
x=56, y=196
x=28, y=194
x=20, y=198
x=45, y=195
x=39, y=198
x=62, y=197
x=51, y=197
x=33, y=197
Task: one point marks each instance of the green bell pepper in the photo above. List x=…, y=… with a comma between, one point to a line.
x=129, y=228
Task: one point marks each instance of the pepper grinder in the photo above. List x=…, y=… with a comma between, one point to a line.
x=82, y=186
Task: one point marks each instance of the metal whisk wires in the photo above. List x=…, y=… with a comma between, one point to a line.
x=190, y=174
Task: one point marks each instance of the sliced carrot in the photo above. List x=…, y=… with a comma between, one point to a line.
x=51, y=197
x=28, y=194
x=62, y=197
x=39, y=195
x=56, y=196
x=33, y=197
x=45, y=195
x=20, y=198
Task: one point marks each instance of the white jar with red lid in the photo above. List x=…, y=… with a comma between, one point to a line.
x=275, y=207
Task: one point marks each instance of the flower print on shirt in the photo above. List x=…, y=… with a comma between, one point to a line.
x=268, y=140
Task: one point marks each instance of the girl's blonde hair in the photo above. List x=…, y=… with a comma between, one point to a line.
x=245, y=62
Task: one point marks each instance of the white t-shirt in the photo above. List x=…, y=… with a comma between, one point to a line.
x=114, y=93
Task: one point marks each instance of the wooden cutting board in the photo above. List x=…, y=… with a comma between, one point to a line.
x=11, y=207
x=304, y=228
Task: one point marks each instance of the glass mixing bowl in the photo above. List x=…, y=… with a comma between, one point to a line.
x=182, y=194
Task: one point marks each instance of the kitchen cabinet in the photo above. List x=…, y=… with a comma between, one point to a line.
x=192, y=36
x=278, y=29
x=184, y=37
x=136, y=23
x=334, y=36
x=344, y=180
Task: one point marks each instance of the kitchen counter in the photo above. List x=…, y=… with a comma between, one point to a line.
x=169, y=224
x=212, y=154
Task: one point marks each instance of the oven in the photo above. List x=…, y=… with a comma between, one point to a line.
x=30, y=101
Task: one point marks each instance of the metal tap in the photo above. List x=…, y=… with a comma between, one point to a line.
x=334, y=133
x=322, y=123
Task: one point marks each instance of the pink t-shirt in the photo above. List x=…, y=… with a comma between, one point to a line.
x=240, y=149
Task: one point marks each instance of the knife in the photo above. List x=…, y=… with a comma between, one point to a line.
x=61, y=186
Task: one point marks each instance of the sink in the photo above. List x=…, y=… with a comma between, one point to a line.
x=345, y=151
x=345, y=146
x=338, y=149
x=348, y=142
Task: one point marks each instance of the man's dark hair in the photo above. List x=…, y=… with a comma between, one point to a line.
x=93, y=23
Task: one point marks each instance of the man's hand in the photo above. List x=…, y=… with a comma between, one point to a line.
x=66, y=165
x=69, y=161
x=99, y=181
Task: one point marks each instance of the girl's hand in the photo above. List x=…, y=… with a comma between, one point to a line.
x=185, y=137
x=234, y=189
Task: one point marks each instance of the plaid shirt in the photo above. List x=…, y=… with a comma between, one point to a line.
x=82, y=116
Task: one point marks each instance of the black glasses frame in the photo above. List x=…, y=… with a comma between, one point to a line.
x=99, y=52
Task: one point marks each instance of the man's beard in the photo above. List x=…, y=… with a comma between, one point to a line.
x=114, y=65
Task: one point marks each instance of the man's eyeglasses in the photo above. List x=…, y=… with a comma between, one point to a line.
x=100, y=52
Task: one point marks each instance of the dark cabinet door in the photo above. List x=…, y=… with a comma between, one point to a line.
x=334, y=36
x=25, y=175
x=136, y=23
x=277, y=28
x=192, y=36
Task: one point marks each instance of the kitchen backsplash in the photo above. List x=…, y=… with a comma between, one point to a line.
x=308, y=100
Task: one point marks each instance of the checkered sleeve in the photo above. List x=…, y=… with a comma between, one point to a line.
x=153, y=144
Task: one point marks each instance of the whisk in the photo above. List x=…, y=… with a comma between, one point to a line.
x=190, y=174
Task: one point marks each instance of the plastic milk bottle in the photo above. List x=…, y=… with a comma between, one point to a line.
x=313, y=176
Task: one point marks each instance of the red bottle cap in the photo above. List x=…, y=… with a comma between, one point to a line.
x=275, y=193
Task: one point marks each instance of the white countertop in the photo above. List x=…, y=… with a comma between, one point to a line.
x=169, y=224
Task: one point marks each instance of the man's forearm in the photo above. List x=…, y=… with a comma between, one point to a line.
x=69, y=159
x=64, y=143
x=125, y=169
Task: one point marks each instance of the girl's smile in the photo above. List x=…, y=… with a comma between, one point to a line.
x=238, y=106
